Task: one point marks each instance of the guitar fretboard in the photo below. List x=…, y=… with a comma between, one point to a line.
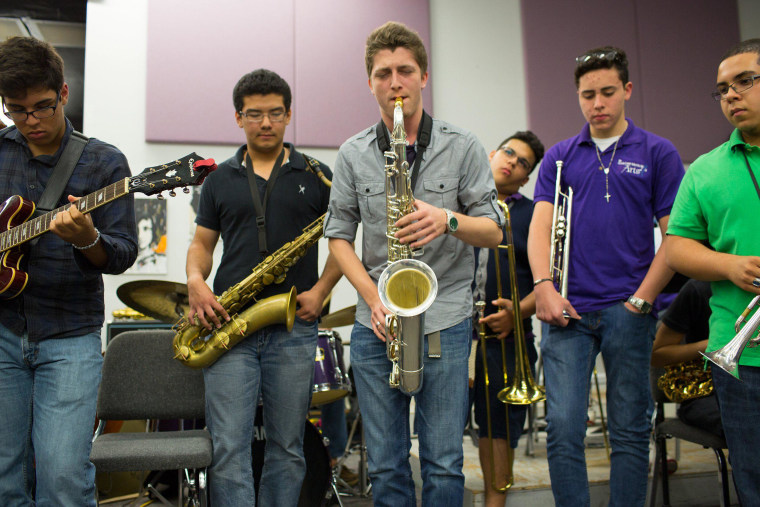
x=41, y=224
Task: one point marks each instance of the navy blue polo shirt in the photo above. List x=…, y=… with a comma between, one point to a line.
x=297, y=199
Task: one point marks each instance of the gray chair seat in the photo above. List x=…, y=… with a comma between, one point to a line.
x=161, y=450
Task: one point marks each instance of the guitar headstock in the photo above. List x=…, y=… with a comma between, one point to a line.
x=186, y=171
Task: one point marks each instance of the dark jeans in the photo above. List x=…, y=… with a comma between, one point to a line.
x=740, y=410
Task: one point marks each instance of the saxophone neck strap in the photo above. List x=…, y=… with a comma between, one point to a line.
x=423, y=139
x=260, y=207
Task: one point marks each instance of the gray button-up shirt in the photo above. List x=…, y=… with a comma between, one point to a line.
x=454, y=174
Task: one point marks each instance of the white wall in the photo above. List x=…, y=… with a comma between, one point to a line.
x=476, y=59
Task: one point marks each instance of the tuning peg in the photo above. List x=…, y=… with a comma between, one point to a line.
x=172, y=193
x=160, y=196
x=186, y=190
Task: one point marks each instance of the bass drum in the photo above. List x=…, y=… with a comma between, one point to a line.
x=316, y=482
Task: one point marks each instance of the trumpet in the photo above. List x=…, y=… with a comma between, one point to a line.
x=407, y=286
x=727, y=357
x=560, y=240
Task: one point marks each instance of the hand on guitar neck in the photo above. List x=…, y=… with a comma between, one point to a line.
x=77, y=228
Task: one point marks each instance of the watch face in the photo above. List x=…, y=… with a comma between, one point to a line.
x=453, y=223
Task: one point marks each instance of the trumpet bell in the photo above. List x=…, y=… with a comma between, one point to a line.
x=725, y=359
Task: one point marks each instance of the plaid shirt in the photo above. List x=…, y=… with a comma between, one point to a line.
x=64, y=295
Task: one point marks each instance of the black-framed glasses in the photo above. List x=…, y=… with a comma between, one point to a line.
x=40, y=114
x=522, y=162
x=275, y=116
x=609, y=55
x=741, y=85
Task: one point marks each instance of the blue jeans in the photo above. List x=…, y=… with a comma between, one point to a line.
x=740, y=410
x=625, y=341
x=280, y=366
x=440, y=412
x=334, y=427
x=48, y=392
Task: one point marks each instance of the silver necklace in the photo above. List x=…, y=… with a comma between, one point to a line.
x=606, y=169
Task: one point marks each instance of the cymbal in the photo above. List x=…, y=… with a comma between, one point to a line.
x=344, y=317
x=164, y=301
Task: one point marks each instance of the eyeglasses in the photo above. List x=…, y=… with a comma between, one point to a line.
x=741, y=85
x=276, y=116
x=610, y=56
x=40, y=114
x=522, y=162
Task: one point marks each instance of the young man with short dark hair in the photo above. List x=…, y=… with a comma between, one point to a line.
x=50, y=347
x=511, y=166
x=455, y=207
x=270, y=361
x=623, y=178
x=718, y=203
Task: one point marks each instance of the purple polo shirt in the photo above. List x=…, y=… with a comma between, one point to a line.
x=612, y=243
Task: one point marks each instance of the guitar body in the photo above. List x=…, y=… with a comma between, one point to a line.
x=15, y=211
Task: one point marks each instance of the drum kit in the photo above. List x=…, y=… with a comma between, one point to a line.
x=168, y=302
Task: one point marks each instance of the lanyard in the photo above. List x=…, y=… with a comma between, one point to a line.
x=423, y=139
x=257, y=204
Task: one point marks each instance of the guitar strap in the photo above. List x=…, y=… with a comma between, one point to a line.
x=61, y=172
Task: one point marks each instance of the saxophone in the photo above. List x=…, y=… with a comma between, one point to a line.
x=407, y=287
x=192, y=345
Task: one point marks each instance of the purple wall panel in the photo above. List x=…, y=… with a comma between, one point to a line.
x=554, y=33
x=682, y=64
x=198, y=50
x=333, y=98
x=672, y=66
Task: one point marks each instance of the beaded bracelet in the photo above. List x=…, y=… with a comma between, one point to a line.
x=97, y=238
x=541, y=280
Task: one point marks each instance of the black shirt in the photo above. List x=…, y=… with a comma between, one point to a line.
x=690, y=312
x=297, y=199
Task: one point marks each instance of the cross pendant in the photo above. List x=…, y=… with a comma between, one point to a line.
x=607, y=196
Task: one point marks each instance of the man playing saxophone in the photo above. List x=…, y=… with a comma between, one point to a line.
x=271, y=361
x=455, y=207
x=718, y=203
x=511, y=165
x=623, y=178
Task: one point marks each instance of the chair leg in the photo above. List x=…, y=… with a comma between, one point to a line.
x=725, y=499
x=664, y=471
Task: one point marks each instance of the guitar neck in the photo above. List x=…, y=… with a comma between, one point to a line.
x=39, y=225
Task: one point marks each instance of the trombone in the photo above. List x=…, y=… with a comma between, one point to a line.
x=523, y=390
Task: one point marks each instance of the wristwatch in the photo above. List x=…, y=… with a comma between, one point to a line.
x=641, y=305
x=451, y=222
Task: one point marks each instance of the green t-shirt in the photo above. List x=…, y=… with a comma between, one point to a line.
x=718, y=202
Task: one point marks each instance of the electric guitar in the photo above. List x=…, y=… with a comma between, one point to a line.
x=16, y=228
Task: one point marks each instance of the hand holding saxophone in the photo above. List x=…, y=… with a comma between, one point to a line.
x=378, y=319
x=422, y=226
x=204, y=306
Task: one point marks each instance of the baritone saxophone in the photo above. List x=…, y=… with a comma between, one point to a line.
x=407, y=287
